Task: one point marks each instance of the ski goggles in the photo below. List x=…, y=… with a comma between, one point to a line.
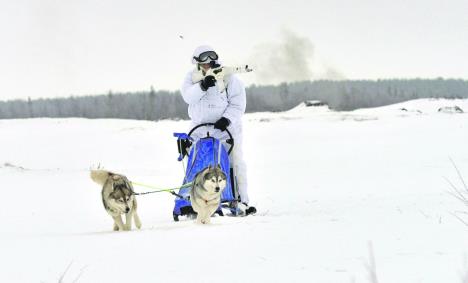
x=203, y=57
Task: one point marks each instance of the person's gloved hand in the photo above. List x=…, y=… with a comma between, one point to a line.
x=207, y=82
x=222, y=124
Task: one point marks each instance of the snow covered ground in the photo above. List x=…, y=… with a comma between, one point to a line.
x=328, y=185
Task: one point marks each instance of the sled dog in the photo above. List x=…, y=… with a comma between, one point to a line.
x=205, y=194
x=118, y=198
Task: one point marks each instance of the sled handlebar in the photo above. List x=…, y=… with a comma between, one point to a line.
x=229, y=141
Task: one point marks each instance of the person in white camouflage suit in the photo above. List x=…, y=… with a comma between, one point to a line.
x=225, y=108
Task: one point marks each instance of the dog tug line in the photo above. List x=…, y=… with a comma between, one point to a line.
x=158, y=190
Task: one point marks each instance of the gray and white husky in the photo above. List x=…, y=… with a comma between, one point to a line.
x=118, y=198
x=205, y=194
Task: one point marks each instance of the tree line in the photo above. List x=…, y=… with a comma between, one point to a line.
x=157, y=105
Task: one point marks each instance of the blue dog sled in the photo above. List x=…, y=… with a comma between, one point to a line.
x=207, y=151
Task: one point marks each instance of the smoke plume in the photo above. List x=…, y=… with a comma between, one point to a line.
x=287, y=60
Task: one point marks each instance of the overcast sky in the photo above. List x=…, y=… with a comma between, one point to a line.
x=52, y=48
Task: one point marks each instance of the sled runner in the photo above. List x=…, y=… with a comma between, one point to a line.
x=207, y=151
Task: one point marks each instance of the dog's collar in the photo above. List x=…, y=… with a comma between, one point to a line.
x=208, y=200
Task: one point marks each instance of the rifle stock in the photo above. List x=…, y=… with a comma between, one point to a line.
x=219, y=73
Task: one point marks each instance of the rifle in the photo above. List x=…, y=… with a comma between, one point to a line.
x=219, y=73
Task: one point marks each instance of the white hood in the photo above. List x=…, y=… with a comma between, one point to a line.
x=199, y=50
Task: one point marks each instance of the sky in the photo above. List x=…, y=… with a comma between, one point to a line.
x=57, y=48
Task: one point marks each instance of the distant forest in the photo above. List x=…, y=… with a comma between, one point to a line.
x=157, y=105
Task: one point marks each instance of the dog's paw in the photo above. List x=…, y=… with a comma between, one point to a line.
x=116, y=228
x=203, y=221
x=137, y=220
x=138, y=225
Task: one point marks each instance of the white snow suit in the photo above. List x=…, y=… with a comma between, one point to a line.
x=209, y=106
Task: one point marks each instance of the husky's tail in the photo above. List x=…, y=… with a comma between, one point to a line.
x=100, y=176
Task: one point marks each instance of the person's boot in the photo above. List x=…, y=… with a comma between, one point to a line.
x=250, y=210
x=246, y=209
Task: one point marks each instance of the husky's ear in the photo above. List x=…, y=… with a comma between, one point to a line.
x=207, y=174
x=219, y=166
x=200, y=173
x=127, y=191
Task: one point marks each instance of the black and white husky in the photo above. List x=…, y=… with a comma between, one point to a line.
x=118, y=198
x=205, y=194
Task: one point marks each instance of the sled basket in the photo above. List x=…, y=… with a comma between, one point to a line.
x=205, y=152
